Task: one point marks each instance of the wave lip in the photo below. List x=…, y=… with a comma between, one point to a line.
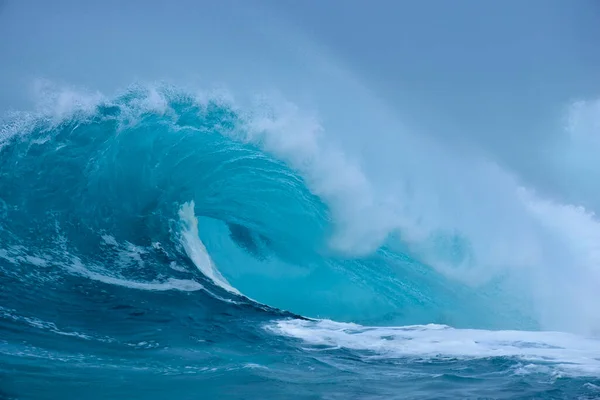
x=196, y=250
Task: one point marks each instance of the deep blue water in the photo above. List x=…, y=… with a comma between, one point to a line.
x=154, y=245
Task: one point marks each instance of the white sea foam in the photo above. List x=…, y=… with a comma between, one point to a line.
x=60, y=102
x=562, y=352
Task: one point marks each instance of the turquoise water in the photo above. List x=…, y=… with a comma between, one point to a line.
x=159, y=245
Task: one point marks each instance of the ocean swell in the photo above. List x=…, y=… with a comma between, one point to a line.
x=163, y=189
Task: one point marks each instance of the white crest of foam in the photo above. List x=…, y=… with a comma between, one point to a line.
x=567, y=353
x=61, y=101
x=196, y=250
x=154, y=101
x=54, y=104
x=150, y=98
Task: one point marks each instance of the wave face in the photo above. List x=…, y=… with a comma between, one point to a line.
x=184, y=243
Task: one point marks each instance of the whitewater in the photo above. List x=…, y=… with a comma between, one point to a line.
x=174, y=240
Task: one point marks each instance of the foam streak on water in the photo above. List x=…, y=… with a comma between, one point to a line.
x=560, y=352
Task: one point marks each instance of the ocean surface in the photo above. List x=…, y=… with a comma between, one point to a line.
x=164, y=244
